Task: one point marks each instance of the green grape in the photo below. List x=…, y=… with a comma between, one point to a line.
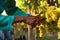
x=58, y=12
x=58, y=1
x=21, y=4
x=58, y=34
x=41, y=29
x=58, y=23
x=54, y=16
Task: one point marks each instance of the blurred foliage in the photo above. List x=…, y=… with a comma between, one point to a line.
x=49, y=9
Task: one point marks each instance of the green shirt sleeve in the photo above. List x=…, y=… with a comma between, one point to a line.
x=6, y=22
x=20, y=13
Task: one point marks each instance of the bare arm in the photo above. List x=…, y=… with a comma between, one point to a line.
x=30, y=20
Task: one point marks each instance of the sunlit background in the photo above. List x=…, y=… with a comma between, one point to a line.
x=49, y=29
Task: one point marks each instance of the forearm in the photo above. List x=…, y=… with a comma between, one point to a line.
x=21, y=18
x=30, y=20
x=18, y=19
